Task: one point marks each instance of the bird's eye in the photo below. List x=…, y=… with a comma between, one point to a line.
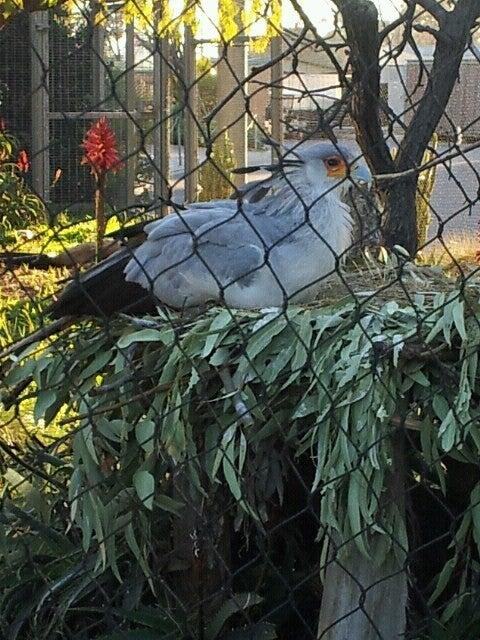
x=336, y=167
x=333, y=162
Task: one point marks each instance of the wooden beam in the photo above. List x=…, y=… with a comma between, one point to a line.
x=276, y=94
x=363, y=598
x=39, y=77
x=130, y=103
x=98, y=62
x=232, y=71
x=190, y=114
x=161, y=132
x=95, y=115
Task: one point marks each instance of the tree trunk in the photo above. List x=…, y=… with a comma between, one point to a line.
x=199, y=565
x=400, y=226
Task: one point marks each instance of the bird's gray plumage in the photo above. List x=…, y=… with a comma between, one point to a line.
x=252, y=254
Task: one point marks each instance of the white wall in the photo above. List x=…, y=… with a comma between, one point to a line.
x=323, y=85
x=393, y=75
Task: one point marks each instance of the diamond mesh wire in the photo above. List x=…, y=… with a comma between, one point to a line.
x=276, y=433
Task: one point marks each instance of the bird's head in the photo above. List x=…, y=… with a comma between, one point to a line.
x=310, y=172
x=326, y=167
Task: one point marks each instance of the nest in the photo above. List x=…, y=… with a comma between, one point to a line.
x=373, y=284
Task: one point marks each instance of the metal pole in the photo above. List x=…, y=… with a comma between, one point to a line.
x=130, y=103
x=190, y=133
x=161, y=122
x=39, y=27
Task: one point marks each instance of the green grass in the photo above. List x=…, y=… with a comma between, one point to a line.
x=25, y=291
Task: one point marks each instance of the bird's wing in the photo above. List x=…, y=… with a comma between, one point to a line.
x=233, y=250
x=183, y=260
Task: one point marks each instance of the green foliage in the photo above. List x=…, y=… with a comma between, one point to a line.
x=461, y=623
x=215, y=176
x=19, y=207
x=321, y=385
x=207, y=86
x=25, y=292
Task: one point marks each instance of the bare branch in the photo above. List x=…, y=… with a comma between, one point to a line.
x=426, y=28
x=435, y=9
x=327, y=48
x=449, y=50
x=360, y=18
x=404, y=19
x=428, y=165
x=37, y=336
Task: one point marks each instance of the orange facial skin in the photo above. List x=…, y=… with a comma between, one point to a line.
x=336, y=167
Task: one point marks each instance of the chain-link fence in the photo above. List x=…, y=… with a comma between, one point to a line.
x=240, y=320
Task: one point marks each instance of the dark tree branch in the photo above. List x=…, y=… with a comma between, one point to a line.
x=441, y=160
x=403, y=19
x=435, y=9
x=426, y=28
x=326, y=47
x=454, y=35
x=360, y=19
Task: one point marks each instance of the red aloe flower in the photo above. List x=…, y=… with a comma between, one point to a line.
x=100, y=147
x=3, y=125
x=23, y=163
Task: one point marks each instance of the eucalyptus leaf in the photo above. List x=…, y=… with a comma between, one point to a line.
x=238, y=602
x=144, y=484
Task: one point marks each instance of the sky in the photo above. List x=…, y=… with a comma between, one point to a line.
x=320, y=11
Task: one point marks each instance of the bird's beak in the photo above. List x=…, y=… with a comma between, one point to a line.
x=362, y=175
x=273, y=168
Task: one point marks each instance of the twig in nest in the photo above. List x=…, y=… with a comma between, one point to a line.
x=408, y=423
x=117, y=405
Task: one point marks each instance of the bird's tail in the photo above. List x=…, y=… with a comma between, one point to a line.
x=102, y=291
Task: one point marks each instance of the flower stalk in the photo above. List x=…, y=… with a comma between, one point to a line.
x=101, y=154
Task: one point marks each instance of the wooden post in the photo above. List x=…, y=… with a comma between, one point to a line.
x=190, y=131
x=130, y=103
x=232, y=118
x=276, y=94
x=361, y=600
x=39, y=27
x=98, y=62
x=161, y=134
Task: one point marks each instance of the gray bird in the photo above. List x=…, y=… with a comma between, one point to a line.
x=244, y=253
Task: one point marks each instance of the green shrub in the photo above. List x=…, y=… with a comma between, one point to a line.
x=140, y=400
x=215, y=176
x=19, y=207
